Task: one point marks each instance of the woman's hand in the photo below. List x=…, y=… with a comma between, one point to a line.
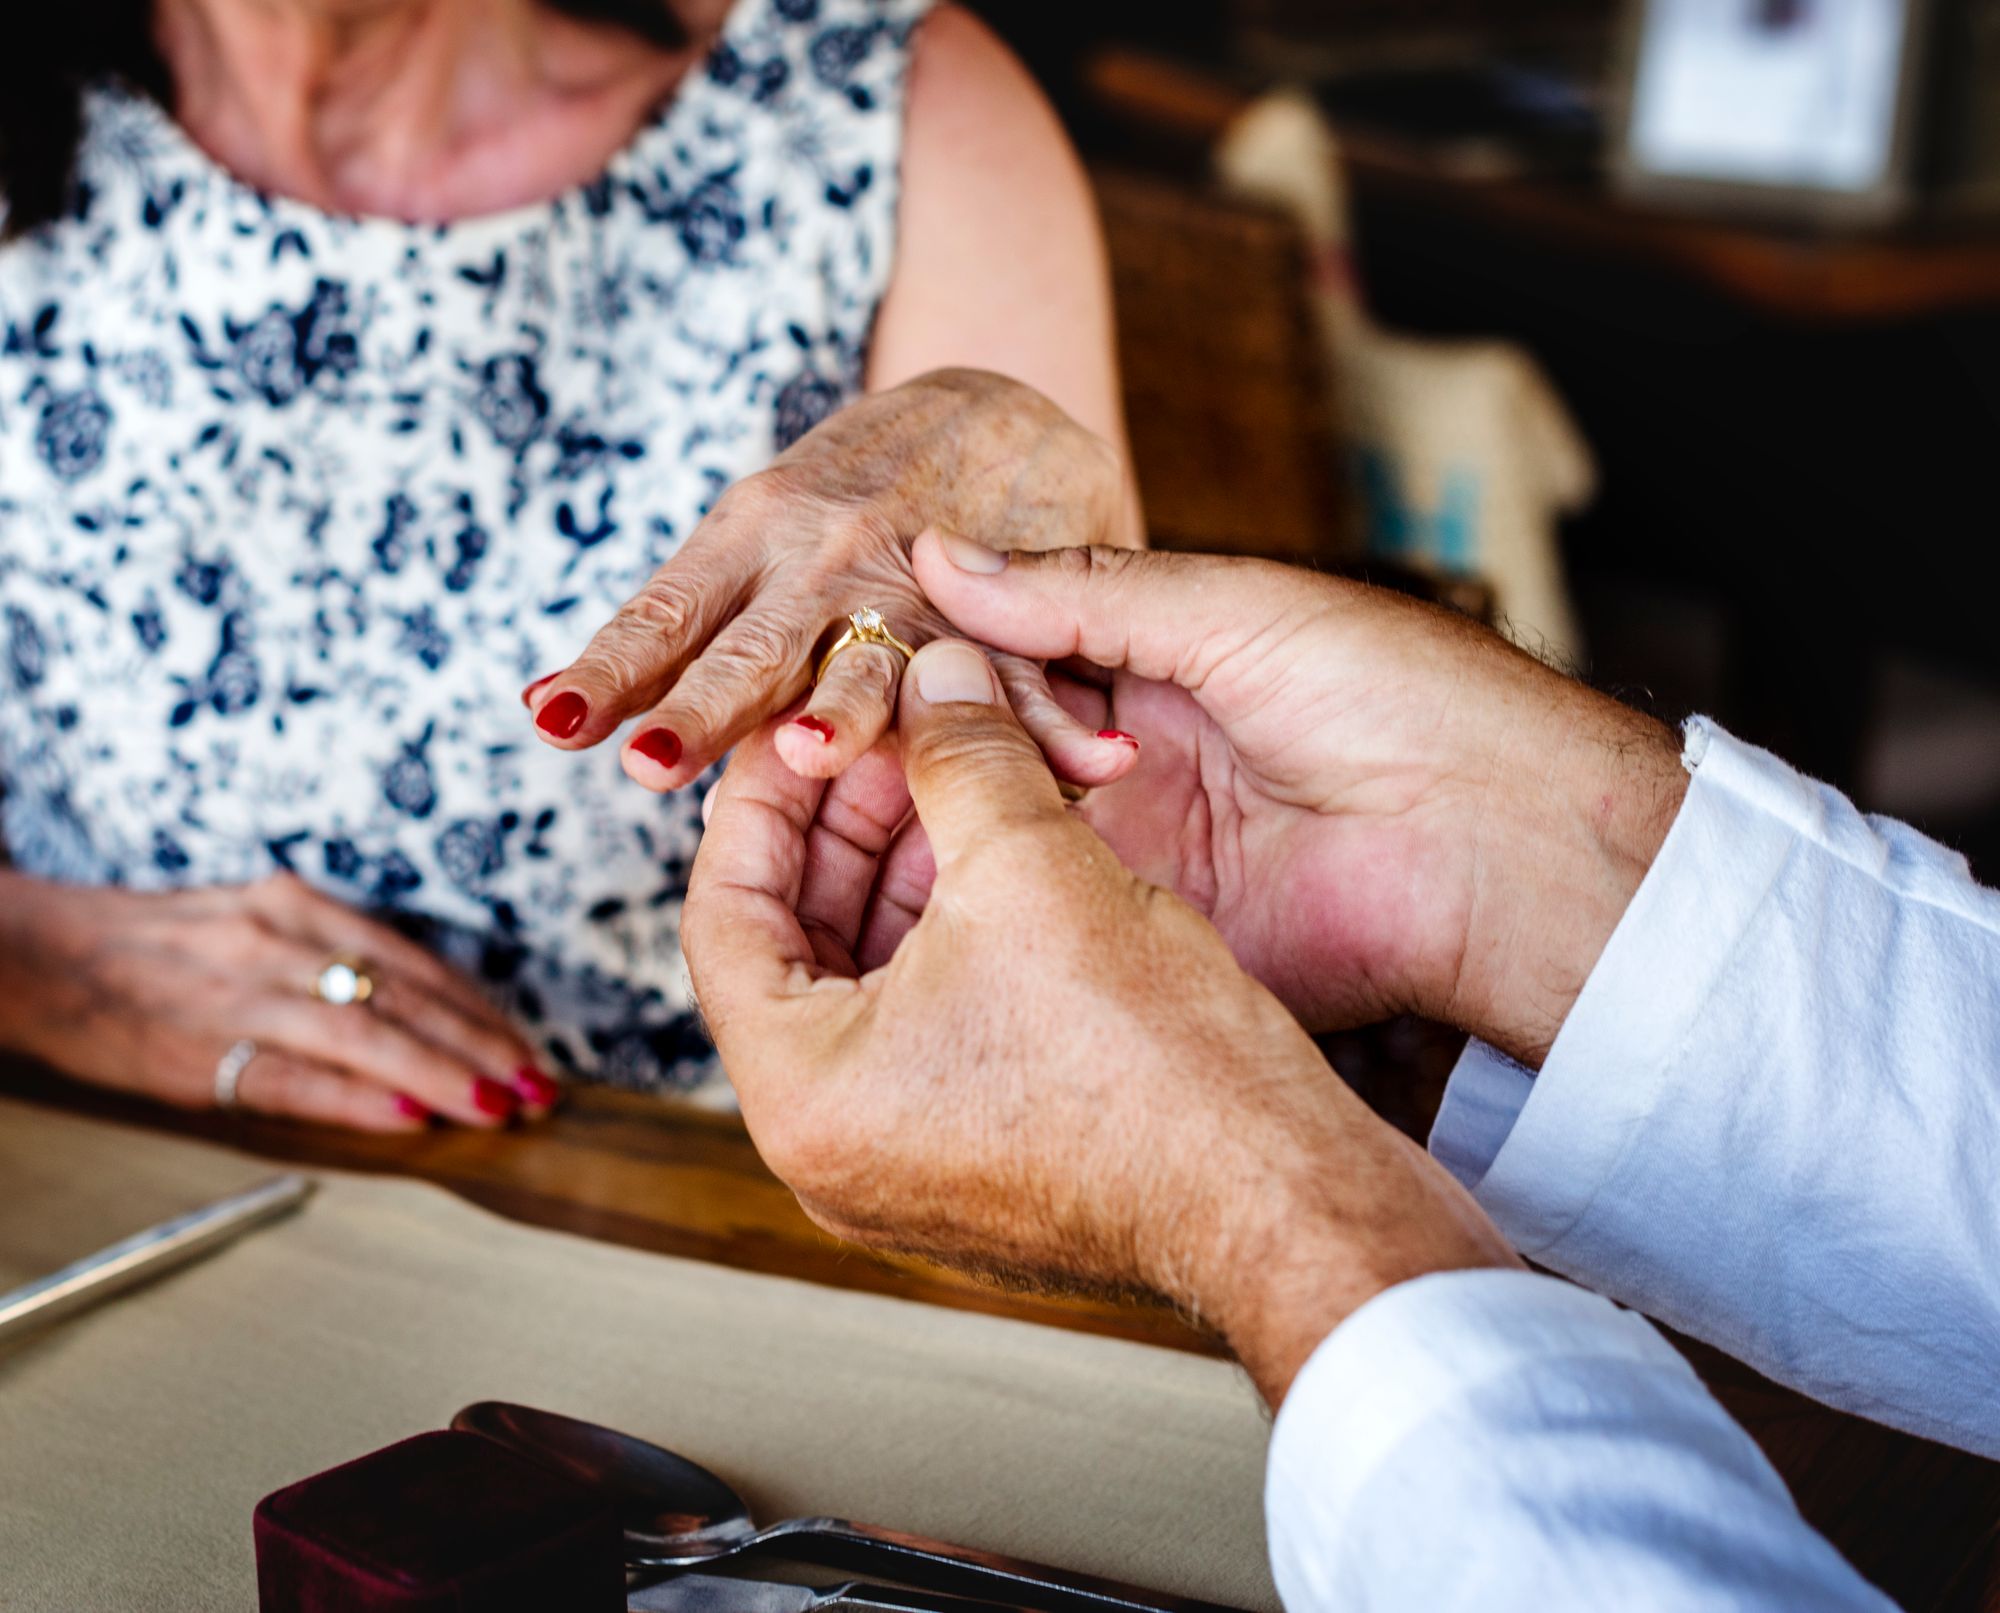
x=147, y=991
x=1060, y=1071
x=1381, y=805
x=729, y=631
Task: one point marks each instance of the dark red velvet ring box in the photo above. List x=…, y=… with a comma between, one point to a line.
x=443, y=1523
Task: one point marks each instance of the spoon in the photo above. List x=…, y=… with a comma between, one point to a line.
x=677, y=1514
x=711, y=1593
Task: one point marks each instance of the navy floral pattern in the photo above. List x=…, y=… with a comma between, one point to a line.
x=291, y=506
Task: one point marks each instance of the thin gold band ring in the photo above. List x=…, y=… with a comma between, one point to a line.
x=864, y=626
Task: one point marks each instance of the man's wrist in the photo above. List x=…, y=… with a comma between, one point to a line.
x=1570, y=827
x=1344, y=1209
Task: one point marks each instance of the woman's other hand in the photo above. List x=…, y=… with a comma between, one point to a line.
x=146, y=992
x=1061, y=1072
x=729, y=631
x=1382, y=806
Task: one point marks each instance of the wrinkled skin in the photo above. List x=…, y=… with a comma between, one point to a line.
x=1382, y=806
x=730, y=630
x=1060, y=1072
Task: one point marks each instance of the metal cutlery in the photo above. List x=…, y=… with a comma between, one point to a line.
x=711, y=1593
x=677, y=1514
x=147, y=1254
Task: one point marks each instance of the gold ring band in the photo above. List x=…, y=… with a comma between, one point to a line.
x=864, y=626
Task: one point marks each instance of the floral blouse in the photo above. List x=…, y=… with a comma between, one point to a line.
x=293, y=505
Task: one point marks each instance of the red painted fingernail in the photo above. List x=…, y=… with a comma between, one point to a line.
x=564, y=715
x=536, y=1089
x=528, y=694
x=409, y=1108
x=660, y=745
x=1119, y=735
x=491, y=1098
x=818, y=727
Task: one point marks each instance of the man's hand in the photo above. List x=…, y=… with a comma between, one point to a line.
x=730, y=629
x=1382, y=806
x=1060, y=1071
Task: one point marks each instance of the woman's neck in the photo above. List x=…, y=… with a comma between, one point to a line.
x=418, y=109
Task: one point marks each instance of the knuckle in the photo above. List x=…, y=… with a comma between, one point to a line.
x=868, y=680
x=664, y=608
x=980, y=751
x=1088, y=566
x=755, y=498
x=864, y=529
x=757, y=660
x=815, y=1163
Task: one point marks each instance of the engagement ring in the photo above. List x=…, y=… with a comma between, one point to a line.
x=864, y=626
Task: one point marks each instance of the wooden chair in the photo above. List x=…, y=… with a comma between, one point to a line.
x=1233, y=435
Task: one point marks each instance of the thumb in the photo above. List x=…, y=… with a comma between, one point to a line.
x=1167, y=617
x=972, y=769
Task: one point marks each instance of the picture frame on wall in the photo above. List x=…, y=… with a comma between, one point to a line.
x=1809, y=109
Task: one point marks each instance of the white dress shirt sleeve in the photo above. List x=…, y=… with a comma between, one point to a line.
x=1772, y=1119
x=1501, y=1442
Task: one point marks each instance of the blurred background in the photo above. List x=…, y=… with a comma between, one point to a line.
x=1661, y=332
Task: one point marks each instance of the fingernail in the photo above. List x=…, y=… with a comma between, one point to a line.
x=535, y=1089
x=564, y=715
x=528, y=694
x=660, y=746
x=410, y=1109
x=1119, y=736
x=818, y=727
x=949, y=673
x=969, y=556
x=491, y=1098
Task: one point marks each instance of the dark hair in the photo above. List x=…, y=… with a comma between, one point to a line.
x=72, y=44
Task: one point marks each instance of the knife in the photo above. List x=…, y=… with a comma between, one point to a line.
x=147, y=1254
x=713, y=1593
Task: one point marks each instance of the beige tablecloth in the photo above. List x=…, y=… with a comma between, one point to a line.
x=136, y=1438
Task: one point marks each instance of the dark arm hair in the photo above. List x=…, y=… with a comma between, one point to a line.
x=46, y=67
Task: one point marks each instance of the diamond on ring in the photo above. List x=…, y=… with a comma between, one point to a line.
x=864, y=626
x=344, y=982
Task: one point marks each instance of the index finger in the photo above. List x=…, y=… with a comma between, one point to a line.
x=633, y=659
x=746, y=949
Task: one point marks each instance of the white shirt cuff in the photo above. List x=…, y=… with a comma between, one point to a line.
x=1535, y=1150
x=1411, y=1353
x=1482, y=1101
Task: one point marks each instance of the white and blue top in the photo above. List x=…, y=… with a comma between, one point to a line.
x=292, y=505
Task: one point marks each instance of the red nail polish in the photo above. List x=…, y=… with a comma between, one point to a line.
x=535, y=1089
x=409, y=1108
x=528, y=694
x=491, y=1098
x=659, y=745
x=818, y=727
x=564, y=715
x=1119, y=735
